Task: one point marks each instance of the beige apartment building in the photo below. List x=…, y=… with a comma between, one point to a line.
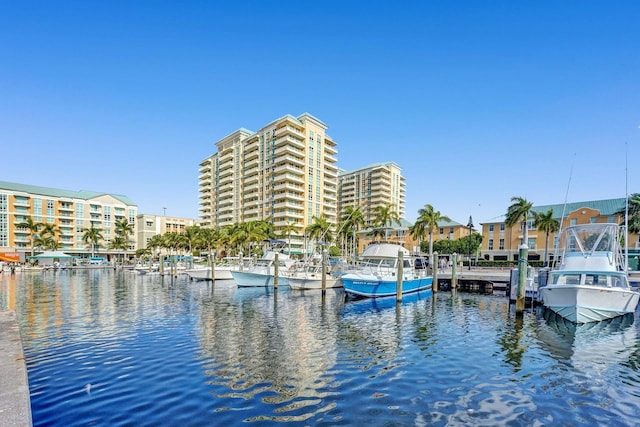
x=286, y=172
x=500, y=242
x=381, y=184
x=153, y=225
x=70, y=212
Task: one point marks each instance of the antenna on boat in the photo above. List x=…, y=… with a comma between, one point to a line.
x=626, y=208
x=564, y=208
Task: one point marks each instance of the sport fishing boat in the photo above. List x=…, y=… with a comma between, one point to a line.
x=262, y=272
x=377, y=275
x=309, y=275
x=591, y=283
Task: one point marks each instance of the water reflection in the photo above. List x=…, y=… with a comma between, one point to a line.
x=107, y=348
x=588, y=345
x=273, y=345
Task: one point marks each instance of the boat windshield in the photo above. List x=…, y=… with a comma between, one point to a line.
x=378, y=262
x=589, y=279
x=591, y=238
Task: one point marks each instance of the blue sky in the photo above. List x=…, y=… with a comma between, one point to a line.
x=476, y=101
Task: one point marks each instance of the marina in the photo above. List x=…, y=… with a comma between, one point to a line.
x=109, y=347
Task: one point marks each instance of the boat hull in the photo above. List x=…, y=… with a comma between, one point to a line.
x=250, y=279
x=205, y=273
x=314, y=282
x=371, y=286
x=585, y=304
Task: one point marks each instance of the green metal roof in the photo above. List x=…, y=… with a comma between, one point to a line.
x=605, y=207
x=56, y=192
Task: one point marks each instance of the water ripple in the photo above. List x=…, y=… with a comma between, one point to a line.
x=106, y=348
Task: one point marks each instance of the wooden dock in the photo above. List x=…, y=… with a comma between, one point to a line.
x=484, y=280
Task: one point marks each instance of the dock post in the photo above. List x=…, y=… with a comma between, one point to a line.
x=324, y=272
x=161, y=266
x=523, y=253
x=399, y=278
x=435, y=261
x=275, y=271
x=454, y=272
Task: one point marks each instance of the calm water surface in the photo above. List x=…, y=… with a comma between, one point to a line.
x=108, y=348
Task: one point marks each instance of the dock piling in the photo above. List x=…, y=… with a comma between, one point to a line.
x=523, y=253
x=399, y=278
x=436, y=265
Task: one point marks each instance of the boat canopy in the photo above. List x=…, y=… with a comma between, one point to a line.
x=385, y=250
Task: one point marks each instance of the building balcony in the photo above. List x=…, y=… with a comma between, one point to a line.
x=290, y=140
x=295, y=196
x=289, y=168
x=289, y=177
x=330, y=159
x=251, y=171
x=330, y=174
x=251, y=152
x=251, y=204
x=288, y=159
x=22, y=203
x=225, y=184
x=289, y=150
x=329, y=147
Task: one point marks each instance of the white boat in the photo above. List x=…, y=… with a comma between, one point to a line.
x=591, y=283
x=377, y=275
x=262, y=272
x=222, y=271
x=146, y=269
x=309, y=276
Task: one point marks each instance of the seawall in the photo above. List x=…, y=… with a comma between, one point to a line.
x=15, y=403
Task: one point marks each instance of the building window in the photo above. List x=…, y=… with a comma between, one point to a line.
x=593, y=220
x=574, y=221
x=531, y=243
x=502, y=227
x=441, y=230
x=501, y=244
x=491, y=228
x=490, y=244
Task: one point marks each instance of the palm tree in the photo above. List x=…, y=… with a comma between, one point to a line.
x=123, y=230
x=156, y=242
x=352, y=221
x=519, y=212
x=48, y=236
x=320, y=229
x=287, y=230
x=427, y=221
x=93, y=235
x=385, y=216
x=634, y=214
x=33, y=228
x=192, y=234
x=46, y=242
x=119, y=242
x=210, y=239
x=544, y=221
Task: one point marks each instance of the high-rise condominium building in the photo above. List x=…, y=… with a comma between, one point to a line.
x=381, y=184
x=285, y=172
x=67, y=213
